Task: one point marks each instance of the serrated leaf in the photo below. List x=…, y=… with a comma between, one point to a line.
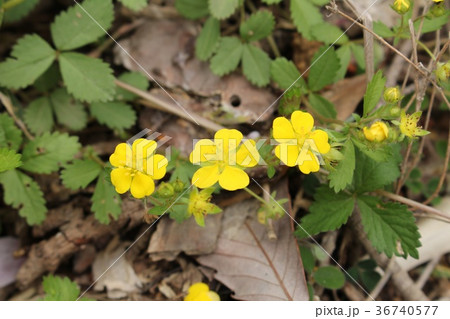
x=105, y=201
x=328, y=212
x=208, y=39
x=74, y=28
x=359, y=55
x=60, y=289
x=192, y=9
x=30, y=58
x=10, y=135
x=24, y=194
x=68, y=111
x=386, y=224
x=256, y=65
x=86, y=78
x=48, y=152
x=39, y=116
x=9, y=159
x=49, y=79
x=115, y=115
x=228, y=56
x=135, y=5
x=343, y=174
x=328, y=34
x=430, y=25
x=374, y=92
x=258, y=26
x=222, y=9
x=305, y=15
x=19, y=11
x=80, y=173
x=322, y=106
x=285, y=73
x=136, y=79
x=378, y=153
x=324, y=67
x=382, y=30
x=344, y=54
x=329, y=277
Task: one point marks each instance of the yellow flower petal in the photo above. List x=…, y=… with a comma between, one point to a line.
x=204, y=151
x=247, y=155
x=206, y=176
x=309, y=164
x=233, y=178
x=143, y=148
x=320, y=139
x=302, y=122
x=282, y=130
x=121, y=179
x=287, y=154
x=227, y=140
x=142, y=185
x=119, y=157
x=198, y=287
x=213, y=296
x=156, y=166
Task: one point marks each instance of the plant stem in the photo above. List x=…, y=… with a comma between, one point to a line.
x=425, y=48
x=248, y=190
x=9, y=107
x=273, y=46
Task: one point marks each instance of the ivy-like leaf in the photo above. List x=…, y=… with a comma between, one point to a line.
x=284, y=73
x=9, y=159
x=222, y=9
x=10, y=135
x=343, y=174
x=324, y=67
x=192, y=9
x=86, y=78
x=228, y=56
x=208, y=39
x=105, y=201
x=328, y=34
x=258, y=26
x=24, y=194
x=68, y=111
x=322, y=106
x=80, y=173
x=135, y=5
x=305, y=15
x=115, y=115
x=74, y=28
x=374, y=92
x=136, y=79
x=256, y=65
x=39, y=116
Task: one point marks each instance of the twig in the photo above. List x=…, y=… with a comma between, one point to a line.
x=368, y=48
x=383, y=281
x=403, y=169
x=427, y=272
x=9, y=107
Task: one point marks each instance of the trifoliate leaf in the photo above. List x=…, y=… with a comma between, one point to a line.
x=192, y=9
x=24, y=194
x=256, y=65
x=324, y=67
x=328, y=34
x=69, y=112
x=10, y=135
x=87, y=79
x=38, y=116
x=285, y=73
x=48, y=152
x=208, y=39
x=74, y=27
x=135, y=5
x=222, y=9
x=49, y=79
x=136, y=79
x=389, y=224
x=228, y=56
x=115, y=115
x=330, y=277
x=258, y=26
x=9, y=159
x=60, y=289
x=322, y=106
x=343, y=173
x=80, y=173
x=19, y=11
x=305, y=15
x=374, y=91
x=344, y=54
x=328, y=212
x=30, y=57
x=105, y=200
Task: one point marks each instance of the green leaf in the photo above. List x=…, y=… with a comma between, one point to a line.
x=382, y=30
x=430, y=25
x=208, y=39
x=30, y=58
x=181, y=168
x=228, y=56
x=386, y=224
x=328, y=34
x=256, y=65
x=358, y=53
x=374, y=92
x=106, y=202
x=135, y=5
x=87, y=79
x=39, y=116
x=330, y=277
x=320, y=2
x=377, y=152
x=258, y=26
x=115, y=115
x=343, y=174
x=80, y=173
x=49, y=79
x=289, y=103
x=136, y=79
x=48, y=152
x=328, y=212
x=322, y=106
x=74, y=28
x=10, y=135
x=344, y=54
x=308, y=259
x=222, y=9
x=19, y=11
x=192, y=9
x=24, y=194
x=305, y=15
x=271, y=1
x=68, y=111
x=60, y=289
x=9, y=159
x=284, y=73
x=323, y=68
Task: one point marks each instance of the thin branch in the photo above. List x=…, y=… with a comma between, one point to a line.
x=9, y=107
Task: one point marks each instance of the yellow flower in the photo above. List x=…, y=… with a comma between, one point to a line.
x=408, y=125
x=223, y=160
x=401, y=6
x=377, y=132
x=200, y=292
x=200, y=206
x=298, y=143
x=136, y=167
x=392, y=95
x=437, y=1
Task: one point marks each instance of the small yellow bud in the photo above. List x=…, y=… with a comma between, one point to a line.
x=401, y=6
x=392, y=95
x=165, y=190
x=437, y=10
x=377, y=132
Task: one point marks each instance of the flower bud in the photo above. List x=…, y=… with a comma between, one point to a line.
x=401, y=6
x=392, y=95
x=443, y=71
x=178, y=185
x=377, y=132
x=437, y=10
x=165, y=190
x=395, y=111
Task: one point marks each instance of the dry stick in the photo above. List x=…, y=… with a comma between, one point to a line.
x=9, y=107
x=427, y=272
x=159, y=104
x=383, y=281
x=403, y=169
